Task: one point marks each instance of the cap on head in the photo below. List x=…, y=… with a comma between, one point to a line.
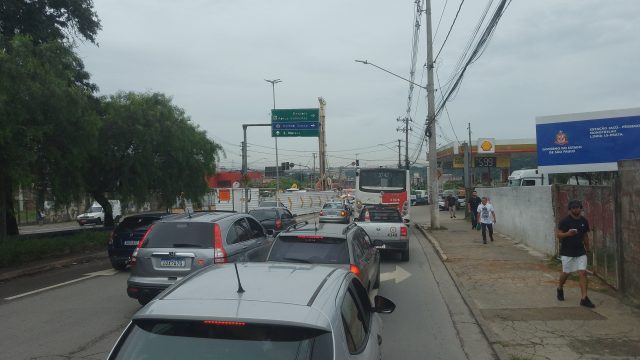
x=575, y=204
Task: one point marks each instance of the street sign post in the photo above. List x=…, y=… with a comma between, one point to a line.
x=295, y=123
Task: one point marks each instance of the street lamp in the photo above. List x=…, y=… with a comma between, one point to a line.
x=273, y=91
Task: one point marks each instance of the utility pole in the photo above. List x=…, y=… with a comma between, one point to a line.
x=399, y=162
x=273, y=90
x=431, y=126
x=406, y=130
x=470, y=157
x=322, y=146
x=313, y=173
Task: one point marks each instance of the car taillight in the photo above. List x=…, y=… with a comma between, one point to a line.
x=278, y=224
x=223, y=323
x=321, y=213
x=403, y=231
x=355, y=270
x=219, y=255
x=144, y=238
x=113, y=233
x=134, y=258
x=310, y=237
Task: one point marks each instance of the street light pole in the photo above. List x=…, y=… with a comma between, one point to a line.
x=273, y=90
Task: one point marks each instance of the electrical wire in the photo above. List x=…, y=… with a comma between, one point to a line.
x=449, y=32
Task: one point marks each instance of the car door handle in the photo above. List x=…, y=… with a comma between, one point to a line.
x=379, y=339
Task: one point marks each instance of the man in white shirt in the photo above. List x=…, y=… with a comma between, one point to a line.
x=485, y=213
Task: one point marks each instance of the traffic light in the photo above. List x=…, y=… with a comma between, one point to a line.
x=357, y=162
x=291, y=165
x=285, y=166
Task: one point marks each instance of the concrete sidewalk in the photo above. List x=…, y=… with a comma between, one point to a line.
x=511, y=290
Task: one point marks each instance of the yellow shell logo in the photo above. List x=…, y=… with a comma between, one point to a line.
x=486, y=145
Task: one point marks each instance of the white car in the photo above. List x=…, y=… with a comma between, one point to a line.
x=95, y=213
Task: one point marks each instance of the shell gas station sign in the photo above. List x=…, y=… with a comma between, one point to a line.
x=486, y=146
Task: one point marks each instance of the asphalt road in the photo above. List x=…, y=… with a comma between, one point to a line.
x=78, y=312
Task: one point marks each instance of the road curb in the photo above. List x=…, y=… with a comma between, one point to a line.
x=53, y=264
x=491, y=337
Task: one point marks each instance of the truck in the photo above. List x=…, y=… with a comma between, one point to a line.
x=528, y=177
x=419, y=197
x=95, y=213
x=385, y=223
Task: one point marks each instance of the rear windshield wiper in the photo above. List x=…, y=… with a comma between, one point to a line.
x=186, y=245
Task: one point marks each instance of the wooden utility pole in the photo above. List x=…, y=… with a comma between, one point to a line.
x=431, y=126
x=399, y=155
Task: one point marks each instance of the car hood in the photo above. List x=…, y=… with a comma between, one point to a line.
x=89, y=214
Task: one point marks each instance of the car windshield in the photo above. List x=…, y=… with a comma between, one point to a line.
x=332, y=206
x=267, y=214
x=94, y=209
x=168, y=234
x=162, y=339
x=316, y=250
x=382, y=215
x=130, y=223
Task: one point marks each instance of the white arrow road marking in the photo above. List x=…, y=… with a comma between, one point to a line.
x=399, y=274
x=86, y=276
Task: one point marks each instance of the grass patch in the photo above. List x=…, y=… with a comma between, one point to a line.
x=14, y=251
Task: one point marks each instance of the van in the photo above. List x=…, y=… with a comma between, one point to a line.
x=528, y=177
x=95, y=213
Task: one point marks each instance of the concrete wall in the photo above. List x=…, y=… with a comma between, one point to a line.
x=525, y=214
x=629, y=226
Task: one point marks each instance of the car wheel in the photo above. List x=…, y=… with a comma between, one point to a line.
x=119, y=265
x=405, y=255
x=376, y=285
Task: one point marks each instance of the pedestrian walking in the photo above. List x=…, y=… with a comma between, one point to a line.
x=573, y=234
x=451, y=203
x=474, y=201
x=485, y=214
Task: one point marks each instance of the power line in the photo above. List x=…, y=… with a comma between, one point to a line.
x=449, y=32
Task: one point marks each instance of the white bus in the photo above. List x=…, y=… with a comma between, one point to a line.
x=383, y=186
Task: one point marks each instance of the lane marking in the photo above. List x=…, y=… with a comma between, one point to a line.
x=399, y=275
x=87, y=276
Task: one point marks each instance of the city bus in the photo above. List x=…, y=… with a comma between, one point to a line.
x=383, y=186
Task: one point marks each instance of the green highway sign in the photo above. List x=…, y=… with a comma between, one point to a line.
x=295, y=115
x=294, y=133
x=295, y=122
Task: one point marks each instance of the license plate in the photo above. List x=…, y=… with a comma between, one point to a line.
x=173, y=262
x=381, y=247
x=130, y=242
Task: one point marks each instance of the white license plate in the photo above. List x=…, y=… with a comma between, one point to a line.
x=130, y=242
x=381, y=247
x=173, y=262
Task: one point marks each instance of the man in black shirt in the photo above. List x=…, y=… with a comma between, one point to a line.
x=574, y=244
x=474, y=201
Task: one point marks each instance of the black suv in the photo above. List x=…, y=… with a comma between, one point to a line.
x=335, y=244
x=125, y=237
x=273, y=218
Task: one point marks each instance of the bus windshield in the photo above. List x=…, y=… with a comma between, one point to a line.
x=382, y=180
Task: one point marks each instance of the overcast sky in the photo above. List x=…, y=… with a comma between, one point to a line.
x=212, y=57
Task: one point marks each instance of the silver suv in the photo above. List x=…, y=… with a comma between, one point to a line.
x=173, y=248
x=347, y=246
x=259, y=311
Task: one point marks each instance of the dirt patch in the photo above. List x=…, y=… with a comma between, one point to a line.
x=541, y=314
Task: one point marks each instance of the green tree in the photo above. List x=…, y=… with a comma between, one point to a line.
x=148, y=147
x=49, y=20
x=47, y=121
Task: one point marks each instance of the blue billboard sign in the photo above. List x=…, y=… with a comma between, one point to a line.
x=587, y=142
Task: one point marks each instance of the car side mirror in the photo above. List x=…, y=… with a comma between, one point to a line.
x=270, y=232
x=383, y=305
x=294, y=215
x=406, y=221
x=378, y=242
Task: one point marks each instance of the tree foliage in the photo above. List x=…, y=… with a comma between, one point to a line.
x=49, y=20
x=147, y=147
x=45, y=101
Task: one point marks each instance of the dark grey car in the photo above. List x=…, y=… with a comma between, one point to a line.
x=281, y=311
x=173, y=248
x=273, y=218
x=334, y=244
x=335, y=211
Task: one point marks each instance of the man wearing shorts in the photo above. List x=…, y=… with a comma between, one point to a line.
x=574, y=244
